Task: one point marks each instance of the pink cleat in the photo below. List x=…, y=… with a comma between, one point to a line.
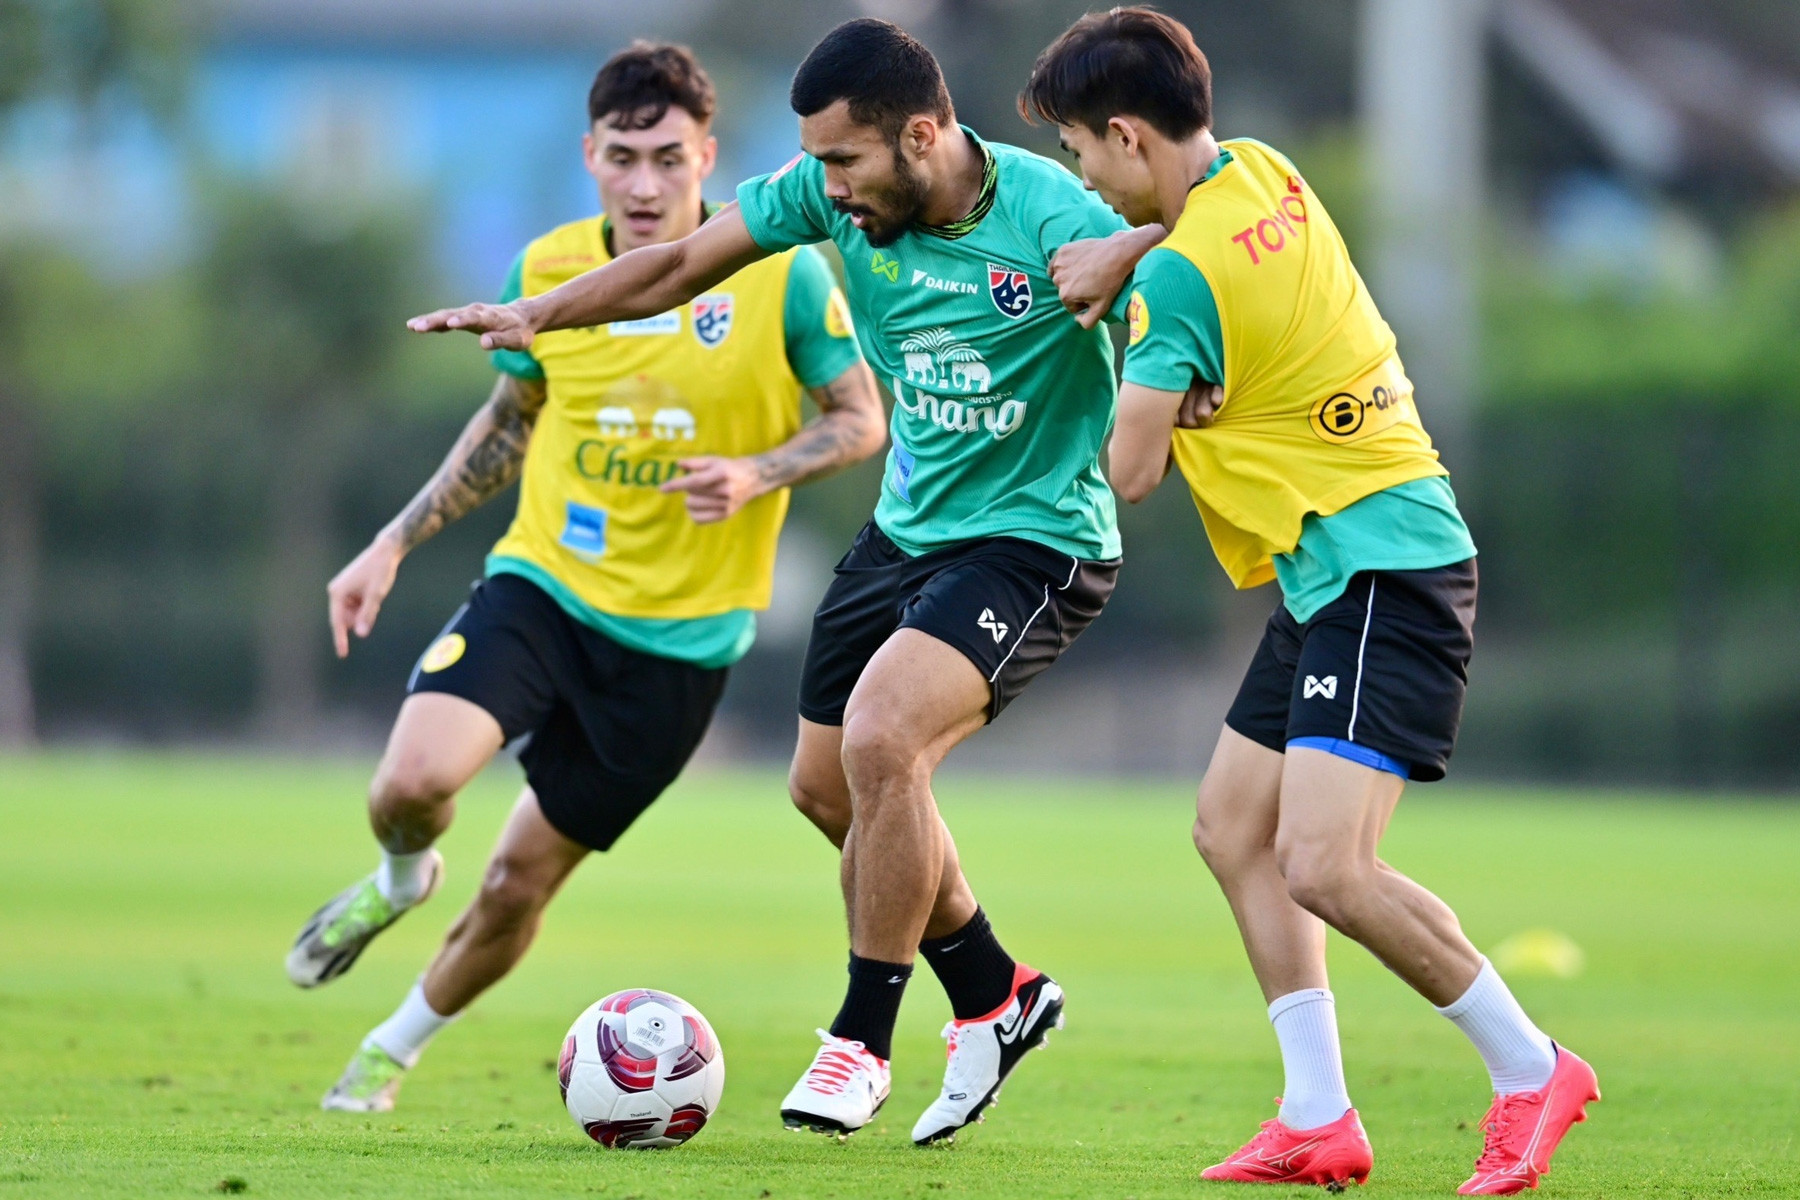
x=1523, y=1129
x=1334, y=1155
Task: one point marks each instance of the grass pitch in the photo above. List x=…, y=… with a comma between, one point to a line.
x=151, y=1046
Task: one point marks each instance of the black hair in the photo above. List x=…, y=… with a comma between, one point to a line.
x=1133, y=62
x=641, y=83
x=882, y=70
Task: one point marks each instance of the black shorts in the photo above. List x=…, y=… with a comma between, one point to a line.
x=609, y=727
x=1011, y=606
x=1384, y=666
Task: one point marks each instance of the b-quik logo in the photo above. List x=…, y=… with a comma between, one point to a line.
x=1348, y=416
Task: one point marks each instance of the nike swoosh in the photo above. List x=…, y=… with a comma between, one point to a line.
x=1009, y=1035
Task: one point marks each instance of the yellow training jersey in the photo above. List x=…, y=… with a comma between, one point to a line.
x=627, y=403
x=1317, y=411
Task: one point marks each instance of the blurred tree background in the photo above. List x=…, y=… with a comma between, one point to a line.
x=193, y=437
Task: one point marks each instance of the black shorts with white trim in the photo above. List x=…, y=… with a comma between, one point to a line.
x=1011, y=606
x=1384, y=666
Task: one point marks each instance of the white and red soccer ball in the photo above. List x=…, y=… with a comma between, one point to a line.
x=641, y=1069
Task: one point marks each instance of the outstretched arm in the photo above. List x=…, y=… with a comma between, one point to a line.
x=847, y=430
x=486, y=458
x=647, y=281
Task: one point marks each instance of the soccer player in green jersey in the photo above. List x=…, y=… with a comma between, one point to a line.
x=993, y=544
x=1316, y=473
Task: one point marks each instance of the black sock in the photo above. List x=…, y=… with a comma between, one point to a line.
x=872, y=1004
x=976, y=972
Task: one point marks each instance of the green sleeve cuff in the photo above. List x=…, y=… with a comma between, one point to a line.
x=781, y=209
x=520, y=364
x=1174, y=321
x=820, y=346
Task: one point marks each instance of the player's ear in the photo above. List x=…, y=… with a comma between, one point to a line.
x=588, y=149
x=920, y=136
x=1124, y=134
x=709, y=155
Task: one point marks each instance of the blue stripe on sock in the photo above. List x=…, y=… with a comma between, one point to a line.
x=1367, y=756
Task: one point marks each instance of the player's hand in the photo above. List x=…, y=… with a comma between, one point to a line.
x=1199, y=405
x=1089, y=274
x=355, y=594
x=501, y=326
x=716, y=487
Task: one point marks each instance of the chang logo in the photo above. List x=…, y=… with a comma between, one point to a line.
x=936, y=359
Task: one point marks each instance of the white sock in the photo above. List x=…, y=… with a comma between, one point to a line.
x=405, y=1035
x=1306, y=1026
x=403, y=878
x=1517, y=1053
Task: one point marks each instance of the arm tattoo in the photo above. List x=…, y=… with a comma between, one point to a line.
x=847, y=430
x=486, y=458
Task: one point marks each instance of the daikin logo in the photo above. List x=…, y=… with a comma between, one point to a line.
x=954, y=286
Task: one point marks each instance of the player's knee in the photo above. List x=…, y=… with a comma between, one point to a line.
x=823, y=801
x=407, y=783
x=877, y=750
x=1320, y=879
x=511, y=894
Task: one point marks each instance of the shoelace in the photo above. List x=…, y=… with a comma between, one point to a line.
x=1498, y=1126
x=835, y=1065
x=954, y=1078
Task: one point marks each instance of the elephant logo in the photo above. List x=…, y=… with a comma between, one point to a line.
x=672, y=425
x=616, y=421
x=936, y=357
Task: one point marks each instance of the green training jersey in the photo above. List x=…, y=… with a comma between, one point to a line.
x=1001, y=400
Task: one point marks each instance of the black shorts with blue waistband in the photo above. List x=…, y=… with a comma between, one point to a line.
x=1379, y=673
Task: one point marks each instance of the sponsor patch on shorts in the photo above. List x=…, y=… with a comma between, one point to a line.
x=443, y=653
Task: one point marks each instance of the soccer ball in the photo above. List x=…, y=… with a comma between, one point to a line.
x=641, y=1069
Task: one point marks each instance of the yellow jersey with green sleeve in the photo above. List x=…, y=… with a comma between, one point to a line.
x=1001, y=399
x=626, y=402
x=1316, y=466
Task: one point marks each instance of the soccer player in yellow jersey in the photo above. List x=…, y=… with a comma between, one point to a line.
x=1314, y=472
x=655, y=458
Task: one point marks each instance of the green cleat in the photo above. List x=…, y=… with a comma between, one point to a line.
x=343, y=929
x=368, y=1084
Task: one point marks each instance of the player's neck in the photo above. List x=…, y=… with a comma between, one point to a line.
x=1177, y=169
x=957, y=184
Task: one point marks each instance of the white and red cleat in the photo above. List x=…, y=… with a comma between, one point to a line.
x=841, y=1092
x=1524, y=1128
x=984, y=1050
x=1334, y=1156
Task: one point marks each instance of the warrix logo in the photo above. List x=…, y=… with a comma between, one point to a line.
x=991, y=623
x=888, y=268
x=1314, y=686
x=942, y=285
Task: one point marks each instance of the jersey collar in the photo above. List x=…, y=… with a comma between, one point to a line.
x=984, y=201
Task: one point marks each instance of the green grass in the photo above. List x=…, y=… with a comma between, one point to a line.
x=151, y=1046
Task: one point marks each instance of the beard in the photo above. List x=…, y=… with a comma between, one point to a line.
x=891, y=209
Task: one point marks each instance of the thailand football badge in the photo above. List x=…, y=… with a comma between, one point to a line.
x=712, y=318
x=1011, y=291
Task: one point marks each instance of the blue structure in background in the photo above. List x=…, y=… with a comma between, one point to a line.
x=480, y=135
x=491, y=142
